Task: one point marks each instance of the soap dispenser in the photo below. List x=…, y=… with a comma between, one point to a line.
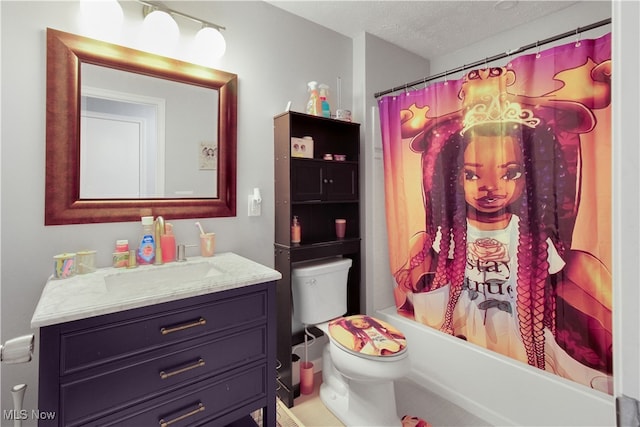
x=147, y=249
x=295, y=230
x=168, y=244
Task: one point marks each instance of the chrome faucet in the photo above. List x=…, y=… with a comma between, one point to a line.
x=182, y=251
x=158, y=233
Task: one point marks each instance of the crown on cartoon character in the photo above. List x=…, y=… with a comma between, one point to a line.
x=486, y=99
x=497, y=111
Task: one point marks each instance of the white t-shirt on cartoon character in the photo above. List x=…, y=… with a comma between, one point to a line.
x=486, y=312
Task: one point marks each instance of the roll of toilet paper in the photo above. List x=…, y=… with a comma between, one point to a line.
x=17, y=350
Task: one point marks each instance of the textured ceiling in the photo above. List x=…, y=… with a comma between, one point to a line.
x=427, y=28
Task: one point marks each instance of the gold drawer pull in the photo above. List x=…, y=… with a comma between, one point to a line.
x=200, y=322
x=164, y=375
x=164, y=423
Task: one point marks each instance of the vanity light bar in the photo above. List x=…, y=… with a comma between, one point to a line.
x=150, y=6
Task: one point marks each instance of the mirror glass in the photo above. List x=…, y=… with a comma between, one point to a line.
x=146, y=137
x=131, y=133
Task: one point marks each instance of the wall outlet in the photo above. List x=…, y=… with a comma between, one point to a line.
x=255, y=208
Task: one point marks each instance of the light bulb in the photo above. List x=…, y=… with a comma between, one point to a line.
x=209, y=46
x=160, y=33
x=101, y=19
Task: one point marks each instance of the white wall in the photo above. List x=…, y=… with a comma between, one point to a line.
x=565, y=20
x=274, y=55
x=626, y=230
x=372, y=73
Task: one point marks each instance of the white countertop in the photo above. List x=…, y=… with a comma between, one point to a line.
x=110, y=290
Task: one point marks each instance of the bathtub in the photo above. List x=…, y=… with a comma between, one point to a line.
x=496, y=388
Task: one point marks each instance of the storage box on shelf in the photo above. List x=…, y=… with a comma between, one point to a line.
x=317, y=191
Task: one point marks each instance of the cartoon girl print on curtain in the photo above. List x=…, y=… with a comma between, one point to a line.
x=514, y=251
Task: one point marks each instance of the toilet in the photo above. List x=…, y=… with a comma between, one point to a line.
x=364, y=355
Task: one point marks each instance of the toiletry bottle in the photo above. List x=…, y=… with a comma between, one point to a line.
x=147, y=249
x=313, y=105
x=324, y=104
x=132, y=261
x=120, y=256
x=122, y=246
x=295, y=230
x=168, y=244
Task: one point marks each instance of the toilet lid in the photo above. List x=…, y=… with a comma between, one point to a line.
x=367, y=336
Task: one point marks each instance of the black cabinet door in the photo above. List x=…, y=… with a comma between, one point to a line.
x=341, y=181
x=307, y=181
x=323, y=181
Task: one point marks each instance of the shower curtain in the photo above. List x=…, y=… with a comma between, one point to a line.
x=498, y=207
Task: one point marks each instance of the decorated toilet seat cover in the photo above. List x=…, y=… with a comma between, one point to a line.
x=367, y=336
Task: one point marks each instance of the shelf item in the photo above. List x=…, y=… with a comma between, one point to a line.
x=295, y=230
x=317, y=192
x=302, y=147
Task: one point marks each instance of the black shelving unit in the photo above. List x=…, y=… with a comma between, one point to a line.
x=317, y=191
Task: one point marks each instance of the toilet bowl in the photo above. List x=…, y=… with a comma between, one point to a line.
x=364, y=355
x=366, y=368
x=359, y=388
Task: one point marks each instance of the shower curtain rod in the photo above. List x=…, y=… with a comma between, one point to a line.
x=497, y=57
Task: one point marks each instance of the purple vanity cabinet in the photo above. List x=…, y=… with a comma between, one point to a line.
x=205, y=360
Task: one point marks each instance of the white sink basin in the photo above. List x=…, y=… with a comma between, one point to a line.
x=111, y=290
x=152, y=276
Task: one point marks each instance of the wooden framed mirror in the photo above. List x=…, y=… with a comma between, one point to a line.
x=67, y=56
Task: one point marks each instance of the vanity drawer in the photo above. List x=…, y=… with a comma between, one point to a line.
x=114, y=388
x=210, y=403
x=115, y=338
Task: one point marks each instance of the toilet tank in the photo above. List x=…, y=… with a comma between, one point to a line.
x=319, y=289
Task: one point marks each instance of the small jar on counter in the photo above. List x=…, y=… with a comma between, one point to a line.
x=122, y=246
x=121, y=259
x=64, y=265
x=121, y=255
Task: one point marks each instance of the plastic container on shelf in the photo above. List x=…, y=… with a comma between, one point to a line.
x=313, y=105
x=324, y=104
